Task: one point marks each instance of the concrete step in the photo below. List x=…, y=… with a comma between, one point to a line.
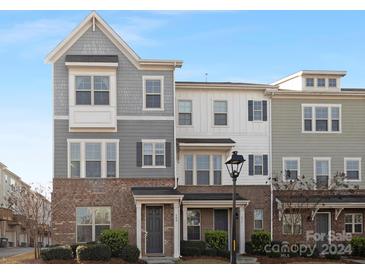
x=159, y=260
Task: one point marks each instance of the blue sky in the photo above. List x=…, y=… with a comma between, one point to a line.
x=249, y=46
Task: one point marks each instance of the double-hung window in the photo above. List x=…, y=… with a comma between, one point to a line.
x=153, y=153
x=352, y=169
x=354, y=223
x=193, y=224
x=153, y=92
x=203, y=169
x=90, y=222
x=188, y=165
x=92, y=90
x=258, y=164
x=258, y=219
x=321, y=118
x=220, y=113
x=185, y=112
x=290, y=168
x=111, y=158
x=257, y=110
x=322, y=172
x=292, y=224
x=75, y=161
x=93, y=160
x=217, y=165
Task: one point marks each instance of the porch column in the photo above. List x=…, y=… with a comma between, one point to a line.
x=185, y=225
x=176, y=230
x=139, y=226
x=242, y=230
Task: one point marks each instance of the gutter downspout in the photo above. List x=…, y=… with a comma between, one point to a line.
x=174, y=143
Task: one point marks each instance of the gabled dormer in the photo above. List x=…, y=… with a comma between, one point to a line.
x=312, y=81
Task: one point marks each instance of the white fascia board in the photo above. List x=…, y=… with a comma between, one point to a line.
x=326, y=205
x=214, y=203
x=90, y=64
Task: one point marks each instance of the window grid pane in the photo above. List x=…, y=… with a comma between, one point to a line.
x=93, y=152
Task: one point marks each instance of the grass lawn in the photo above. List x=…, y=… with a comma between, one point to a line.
x=203, y=260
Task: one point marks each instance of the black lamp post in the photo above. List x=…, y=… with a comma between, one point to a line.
x=234, y=166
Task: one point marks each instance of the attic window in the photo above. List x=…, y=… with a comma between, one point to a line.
x=332, y=82
x=309, y=82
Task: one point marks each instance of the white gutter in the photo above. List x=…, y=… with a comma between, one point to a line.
x=174, y=143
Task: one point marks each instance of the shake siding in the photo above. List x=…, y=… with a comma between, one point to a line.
x=289, y=141
x=129, y=133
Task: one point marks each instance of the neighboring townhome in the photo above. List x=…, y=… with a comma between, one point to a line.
x=318, y=132
x=212, y=120
x=114, y=143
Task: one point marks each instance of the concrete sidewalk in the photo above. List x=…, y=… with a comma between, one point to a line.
x=13, y=251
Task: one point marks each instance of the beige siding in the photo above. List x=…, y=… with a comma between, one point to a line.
x=289, y=141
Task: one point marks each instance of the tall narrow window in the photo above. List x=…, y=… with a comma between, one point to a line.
x=352, y=169
x=153, y=93
x=258, y=164
x=291, y=169
x=307, y=118
x=93, y=160
x=159, y=154
x=257, y=110
x=111, y=158
x=292, y=224
x=217, y=163
x=321, y=118
x=202, y=166
x=193, y=224
x=83, y=90
x=147, y=154
x=258, y=219
x=220, y=113
x=322, y=173
x=185, y=112
x=101, y=90
x=188, y=162
x=335, y=118
x=102, y=220
x=75, y=160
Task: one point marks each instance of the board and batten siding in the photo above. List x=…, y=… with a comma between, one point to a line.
x=129, y=133
x=289, y=141
x=251, y=137
x=129, y=78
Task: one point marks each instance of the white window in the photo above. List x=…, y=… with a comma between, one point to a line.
x=258, y=164
x=353, y=169
x=188, y=165
x=153, y=153
x=258, y=219
x=92, y=90
x=321, y=118
x=321, y=82
x=193, y=224
x=309, y=82
x=322, y=172
x=202, y=170
x=332, y=82
x=91, y=221
x=291, y=168
x=257, y=111
x=292, y=224
x=185, y=112
x=90, y=158
x=220, y=113
x=353, y=223
x=153, y=92
x=217, y=172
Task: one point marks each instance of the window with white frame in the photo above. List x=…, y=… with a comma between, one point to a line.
x=153, y=92
x=257, y=110
x=217, y=169
x=92, y=90
x=188, y=165
x=321, y=82
x=90, y=158
x=292, y=224
x=202, y=170
x=193, y=224
x=352, y=169
x=258, y=164
x=90, y=222
x=185, y=112
x=258, y=219
x=332, y=82
x=309, y=82
x=153, y=153
x=354, y=223
x=220, y=113
x=290, y=168
x=321, y=118
x=322, y=172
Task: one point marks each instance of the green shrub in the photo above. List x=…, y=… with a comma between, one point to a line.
x=248, y=248
x=57, y=253
x=223, y=253
x=210, y=252
x=259, y=239
x=273, y=254
x=116, y=239
x=358, y=246
x=191, y=252
x=130, y=253
x=216, y=239
x=93, y=252
x=192, y=247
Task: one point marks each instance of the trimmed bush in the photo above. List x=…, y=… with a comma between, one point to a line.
x=273, y=254
x=56, y=253
x=223, y=253
x=358, y=246
x=217, y=239
x=116, y=239
x=130, y=253
x=93, y=252
x=259, y=239
x=210, y=252
x=191, y=252
x=248, y=248
x=192, y=248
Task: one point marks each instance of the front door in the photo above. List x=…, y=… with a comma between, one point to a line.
x=221, y=219
x=322, y=227
x=154, y=224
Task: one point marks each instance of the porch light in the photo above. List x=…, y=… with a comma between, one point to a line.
x=234, y=165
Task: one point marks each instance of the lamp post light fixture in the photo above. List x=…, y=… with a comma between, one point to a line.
x=234, y=167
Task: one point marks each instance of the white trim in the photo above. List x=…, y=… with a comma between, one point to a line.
x=176, y=230
x=61, y=117
x=153, y=77
x=327, y=205
x=127, y=118
x=345, y=168
x=91, y=64
x=329, y=118
x=329, y=168
x=290, y=159
x=353, y=222
x=185, y=221
x=213, y=203
x=242, y=230
x=139, y=226
x=154, y=142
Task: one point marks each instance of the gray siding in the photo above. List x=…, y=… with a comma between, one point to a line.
x=289, y=141
x=129, y=78
x=129, y=132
